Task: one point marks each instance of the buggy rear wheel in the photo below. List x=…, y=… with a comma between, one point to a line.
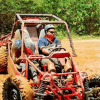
x=94, y=85
x=17, y=88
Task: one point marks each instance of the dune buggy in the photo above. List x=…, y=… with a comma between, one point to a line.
x=20, y=86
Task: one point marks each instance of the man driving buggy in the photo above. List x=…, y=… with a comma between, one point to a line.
x=46, y=44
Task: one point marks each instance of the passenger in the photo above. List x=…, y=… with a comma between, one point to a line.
x=44, y=45
x=16, y=51
x=29, y=46
x=16, y=47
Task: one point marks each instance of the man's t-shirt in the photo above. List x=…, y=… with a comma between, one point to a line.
x=43, y=42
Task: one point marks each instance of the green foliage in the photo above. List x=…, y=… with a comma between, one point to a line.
x=82, y=16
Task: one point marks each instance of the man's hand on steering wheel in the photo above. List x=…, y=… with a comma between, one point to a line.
x=56, y=49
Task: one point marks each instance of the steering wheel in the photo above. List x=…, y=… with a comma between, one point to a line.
x=56, y=49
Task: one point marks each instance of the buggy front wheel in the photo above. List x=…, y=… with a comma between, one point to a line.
x=14, y=94
x=17, y=88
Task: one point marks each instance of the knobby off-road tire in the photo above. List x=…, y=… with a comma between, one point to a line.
x=86, y=88
x=17, y=88
x=86, y=84
x=95, y=83
x=3, y=59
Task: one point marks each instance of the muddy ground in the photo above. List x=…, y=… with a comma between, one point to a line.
x=88, y=57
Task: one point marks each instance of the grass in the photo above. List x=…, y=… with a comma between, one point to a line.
x=60, y=35
x=84, y=37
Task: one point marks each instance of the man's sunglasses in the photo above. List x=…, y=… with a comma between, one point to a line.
x=52, y=32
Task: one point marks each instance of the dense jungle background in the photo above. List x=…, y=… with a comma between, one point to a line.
x=82, y=16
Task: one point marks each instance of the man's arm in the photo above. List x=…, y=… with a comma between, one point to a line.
x=44, y=50
x=41, y=46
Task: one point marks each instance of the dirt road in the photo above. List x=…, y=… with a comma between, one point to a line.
x=88, y=57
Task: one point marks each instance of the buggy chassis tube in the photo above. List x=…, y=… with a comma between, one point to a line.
x=34, y=66
x=19, y=17
x=52, y=55
x=57, y=54
x=59, y=74
x=57, y=89
x=70, y=39
x=49, y=74
x=46, y=75
x=38, y=15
